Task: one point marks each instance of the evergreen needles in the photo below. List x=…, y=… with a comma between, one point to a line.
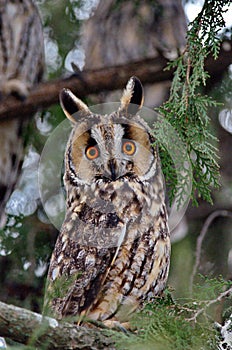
x=187, y=110
x=185, y=324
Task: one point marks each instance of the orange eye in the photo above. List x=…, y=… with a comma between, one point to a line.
x=92, y=152
x=129, y=148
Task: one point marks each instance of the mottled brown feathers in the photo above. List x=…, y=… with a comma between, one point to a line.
x=113, y=250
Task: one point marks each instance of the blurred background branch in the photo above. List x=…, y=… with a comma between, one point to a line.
x=83, y=83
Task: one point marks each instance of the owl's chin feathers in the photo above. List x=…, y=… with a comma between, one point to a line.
x=107, y=178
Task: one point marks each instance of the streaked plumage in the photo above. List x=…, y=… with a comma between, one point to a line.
x=114, y=248
x=21, y=67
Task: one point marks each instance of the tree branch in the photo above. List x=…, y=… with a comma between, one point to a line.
x=26, y=327
x=208, y=303
x=201, y=237
x=83, y=84
x=94, y=81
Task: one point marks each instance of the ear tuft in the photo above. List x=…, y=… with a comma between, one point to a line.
x=72, y=104
x=133, y=96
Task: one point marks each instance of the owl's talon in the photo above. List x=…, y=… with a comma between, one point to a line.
x=116, y=325
x=95, y=323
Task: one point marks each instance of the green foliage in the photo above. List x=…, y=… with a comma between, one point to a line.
x=24, y=253
x=187, y=110
x=209, y=288
x=177, y=167
x=57, y=289
x=61, y=30
x=171, y=325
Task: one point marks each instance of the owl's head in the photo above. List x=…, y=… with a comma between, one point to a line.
x=112, y=147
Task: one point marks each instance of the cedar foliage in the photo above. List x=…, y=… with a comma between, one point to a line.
x=187, y=110
x=182, y=324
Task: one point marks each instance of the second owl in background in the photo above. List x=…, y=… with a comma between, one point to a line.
x=22, y=47
x=21, y=68
x=113, y=251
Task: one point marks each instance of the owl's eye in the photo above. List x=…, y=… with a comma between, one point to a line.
x=129, y=148
x=92, y=152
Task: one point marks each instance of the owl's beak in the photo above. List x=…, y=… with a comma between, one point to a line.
x=112, y=167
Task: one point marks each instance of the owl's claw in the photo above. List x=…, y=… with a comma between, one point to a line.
x=124, y=327
x=112, y=324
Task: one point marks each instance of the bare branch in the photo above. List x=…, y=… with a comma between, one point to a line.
x=149, y=70
x=208, y=303
x=24, y=326
x=85, y=83
x=201, y=237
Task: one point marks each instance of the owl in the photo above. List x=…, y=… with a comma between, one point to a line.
x=21, y=67
x=113, y=250
x=121, y=28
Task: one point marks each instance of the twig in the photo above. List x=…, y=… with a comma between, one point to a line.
x=201, y=237
x=221, y=296
x=187, y=82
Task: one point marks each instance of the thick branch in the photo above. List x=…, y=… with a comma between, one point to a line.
x=85, y=83
x=24, y=326
x=94, y=81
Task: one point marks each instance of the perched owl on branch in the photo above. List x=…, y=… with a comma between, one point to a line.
x=21, y=68
x=113, y=250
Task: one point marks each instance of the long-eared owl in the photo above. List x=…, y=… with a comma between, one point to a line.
x=21, y=67
x=113, y=250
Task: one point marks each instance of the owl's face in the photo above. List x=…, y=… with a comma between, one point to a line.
x=110, y=147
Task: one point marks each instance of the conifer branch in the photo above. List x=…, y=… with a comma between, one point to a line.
x=187, y=110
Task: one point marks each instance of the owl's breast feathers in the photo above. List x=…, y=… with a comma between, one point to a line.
x=113, y=250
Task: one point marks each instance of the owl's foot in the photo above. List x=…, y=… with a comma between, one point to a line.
x=113, y=324
x=16, y=88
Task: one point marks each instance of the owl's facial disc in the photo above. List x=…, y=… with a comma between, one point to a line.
x=111, y=151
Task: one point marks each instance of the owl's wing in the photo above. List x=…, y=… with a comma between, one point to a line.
x=76, y=275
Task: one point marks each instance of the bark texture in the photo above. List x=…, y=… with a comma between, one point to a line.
x=149, y=70
x=26, y=327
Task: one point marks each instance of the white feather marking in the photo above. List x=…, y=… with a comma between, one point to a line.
x=120, y=240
